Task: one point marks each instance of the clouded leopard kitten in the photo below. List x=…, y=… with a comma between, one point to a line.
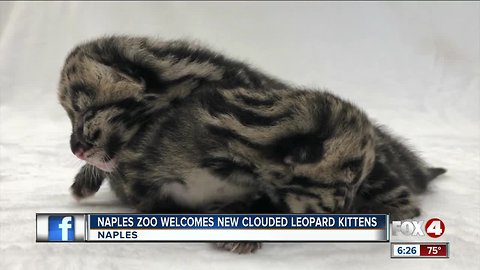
x=117, y=89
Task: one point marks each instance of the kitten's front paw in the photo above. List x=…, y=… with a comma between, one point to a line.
x=87, y=182
x=80, y=191
x=239, y=247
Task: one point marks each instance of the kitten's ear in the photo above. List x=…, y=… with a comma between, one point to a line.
x=131, y=73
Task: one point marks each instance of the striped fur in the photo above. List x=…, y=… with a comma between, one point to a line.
x=163, y=118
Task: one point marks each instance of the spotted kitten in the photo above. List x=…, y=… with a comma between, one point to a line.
x=179, y=128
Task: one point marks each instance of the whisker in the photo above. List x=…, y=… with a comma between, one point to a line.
x=114, y=169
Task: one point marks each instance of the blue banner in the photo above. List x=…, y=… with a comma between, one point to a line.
x=226, y=221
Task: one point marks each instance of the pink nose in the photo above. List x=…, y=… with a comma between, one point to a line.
x=80, y=153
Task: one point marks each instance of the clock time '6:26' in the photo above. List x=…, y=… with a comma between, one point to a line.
x=406, y=250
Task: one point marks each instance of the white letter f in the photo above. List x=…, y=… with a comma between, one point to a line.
x=65, y=226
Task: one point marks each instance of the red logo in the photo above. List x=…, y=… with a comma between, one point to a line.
x=435, y=227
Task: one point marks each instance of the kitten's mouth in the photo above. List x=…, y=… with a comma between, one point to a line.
x=96, y=158
x=106, y=166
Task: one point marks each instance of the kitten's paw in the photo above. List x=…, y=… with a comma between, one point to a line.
x=403, y=206
x=239, y=247
x=80, y=191
x=403, y=213
x=87, y=182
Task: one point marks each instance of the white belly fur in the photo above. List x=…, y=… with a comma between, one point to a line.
x=202, y=188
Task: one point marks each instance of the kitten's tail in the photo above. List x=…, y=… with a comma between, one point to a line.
x=434, y=172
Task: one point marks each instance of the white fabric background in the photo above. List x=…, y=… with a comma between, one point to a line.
x=411, y=66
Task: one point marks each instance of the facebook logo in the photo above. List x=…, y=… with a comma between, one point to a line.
x=61, y=228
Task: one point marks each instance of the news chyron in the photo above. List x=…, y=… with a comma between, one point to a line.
x=408, y=238
x=211, y=227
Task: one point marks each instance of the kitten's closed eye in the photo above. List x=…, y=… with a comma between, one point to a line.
x=150, y=97
x=95, y=136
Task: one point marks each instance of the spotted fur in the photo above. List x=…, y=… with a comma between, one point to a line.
x=179, y=128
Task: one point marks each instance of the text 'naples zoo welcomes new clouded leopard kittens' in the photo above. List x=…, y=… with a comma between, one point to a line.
x=177, y=128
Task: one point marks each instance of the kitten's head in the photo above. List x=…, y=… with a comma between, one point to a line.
x=102, y=132
x=88, y=91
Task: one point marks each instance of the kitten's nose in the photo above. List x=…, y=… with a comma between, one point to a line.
x=78, y=148
x=80, y=153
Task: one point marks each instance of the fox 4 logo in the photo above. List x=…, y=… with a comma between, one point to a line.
x=433, y=227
